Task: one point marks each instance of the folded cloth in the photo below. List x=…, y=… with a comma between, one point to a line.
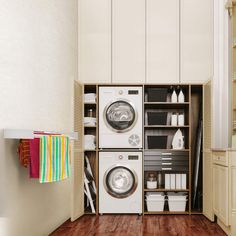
x=34, y=158
x=24, y=152
x=54, y=158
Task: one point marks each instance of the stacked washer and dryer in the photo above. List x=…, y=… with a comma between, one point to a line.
x=120, y=144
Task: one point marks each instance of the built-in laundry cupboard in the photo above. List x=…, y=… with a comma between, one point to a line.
x=197, y=101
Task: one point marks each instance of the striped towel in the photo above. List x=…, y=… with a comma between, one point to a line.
x=54, y=158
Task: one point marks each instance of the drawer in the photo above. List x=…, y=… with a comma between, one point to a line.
x=232, y=158
x=165, y=156
x=165, y=168
x=220, y=158
x=166, y=163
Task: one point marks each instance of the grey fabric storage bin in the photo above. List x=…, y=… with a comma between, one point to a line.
x=157, y=118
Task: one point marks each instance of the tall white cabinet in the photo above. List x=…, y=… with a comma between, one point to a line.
x=145, y=41
x=128, y=41
x=163, y=41
x=94, y=41
x=196, y=44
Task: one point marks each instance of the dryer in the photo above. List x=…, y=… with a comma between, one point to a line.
x=120, y=182
x=120, y=117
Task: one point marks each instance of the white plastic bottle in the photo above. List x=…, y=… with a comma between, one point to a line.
x=174, y=97
x=174, y=119
x=181, y=96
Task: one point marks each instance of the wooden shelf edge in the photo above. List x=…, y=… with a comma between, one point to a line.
x=166, y=213
x=166, y=190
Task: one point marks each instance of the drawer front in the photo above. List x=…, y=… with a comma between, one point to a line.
x=166, y=163
x=232, y=157
x=165, y=156
x=165, y=168
x=220, y=158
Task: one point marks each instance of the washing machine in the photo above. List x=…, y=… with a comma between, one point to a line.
x=120, y=117
x=120, y=182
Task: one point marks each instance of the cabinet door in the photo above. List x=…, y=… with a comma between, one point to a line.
x=223, y=186
x=163, y=41
x=207, y=185
x=196, y=41
x=128, y=41
x=94, y=42
x=78, y=157
x=215, y=175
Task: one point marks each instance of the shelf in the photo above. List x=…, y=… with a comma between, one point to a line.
x=166, y=213
x=90, y=150
x=90, y=103
x=166, y=105
x=90, y=126
x=166, y=190
x=166, y=126
x=168, y=150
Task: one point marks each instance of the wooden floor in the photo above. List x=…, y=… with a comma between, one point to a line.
x=132, y=225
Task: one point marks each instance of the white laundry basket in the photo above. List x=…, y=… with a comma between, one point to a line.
x=155, y=201
x=177, y=201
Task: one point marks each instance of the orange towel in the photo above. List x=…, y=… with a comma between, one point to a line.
x=24, y=152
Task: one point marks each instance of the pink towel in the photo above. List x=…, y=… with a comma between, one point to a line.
x=34, y=158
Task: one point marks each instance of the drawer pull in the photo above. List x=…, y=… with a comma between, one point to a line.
x=166, y=163
x=218, y=158
x=166, y=158
x=166, y=154
x=166, y=168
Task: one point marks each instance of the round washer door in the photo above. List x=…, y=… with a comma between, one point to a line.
x=120, y=181
x=120, y=116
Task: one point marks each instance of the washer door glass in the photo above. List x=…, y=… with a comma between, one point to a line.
x=120, y=116
x=120, y=182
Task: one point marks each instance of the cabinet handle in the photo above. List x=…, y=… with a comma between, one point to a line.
x=166, y=158
x=166, y=163
x=166, y=168
x=166, y=154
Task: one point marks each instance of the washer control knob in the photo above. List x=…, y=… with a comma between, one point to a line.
x=120, y=92
x=121, y=157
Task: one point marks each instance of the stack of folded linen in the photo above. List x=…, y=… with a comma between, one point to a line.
x=90, y=97
x=90, y=121
x=89, y=142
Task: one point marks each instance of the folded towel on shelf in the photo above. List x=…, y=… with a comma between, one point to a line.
x=54, y=158
x=90, y=97
x=90, y=121
x=34, y=158
x=24, y=152
x=89, y=142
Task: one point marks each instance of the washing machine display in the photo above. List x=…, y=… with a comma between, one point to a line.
x=120, y=181
x=120, y=117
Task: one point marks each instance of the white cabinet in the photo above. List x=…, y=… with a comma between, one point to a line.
x=94, y=41
x=128, y=41
x=163, y=41
x=196, y=64
x=221, y=193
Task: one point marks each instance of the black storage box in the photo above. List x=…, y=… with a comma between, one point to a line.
x=157, y=94
x=157, y=142
x=157, y=118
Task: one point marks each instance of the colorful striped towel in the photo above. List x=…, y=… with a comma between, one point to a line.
x=54, y=158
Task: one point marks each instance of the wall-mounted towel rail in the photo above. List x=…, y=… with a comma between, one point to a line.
x=31, y=134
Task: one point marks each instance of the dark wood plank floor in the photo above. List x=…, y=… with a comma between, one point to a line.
x=132, y=225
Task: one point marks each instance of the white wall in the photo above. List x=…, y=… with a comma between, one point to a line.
x=38, y=63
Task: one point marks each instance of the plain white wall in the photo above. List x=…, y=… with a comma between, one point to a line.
x=38, y=63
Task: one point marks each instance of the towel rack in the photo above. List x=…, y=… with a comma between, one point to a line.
x=31, y=134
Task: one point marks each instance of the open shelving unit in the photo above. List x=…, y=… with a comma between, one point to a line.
x=92, y=154
x=190, y=108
